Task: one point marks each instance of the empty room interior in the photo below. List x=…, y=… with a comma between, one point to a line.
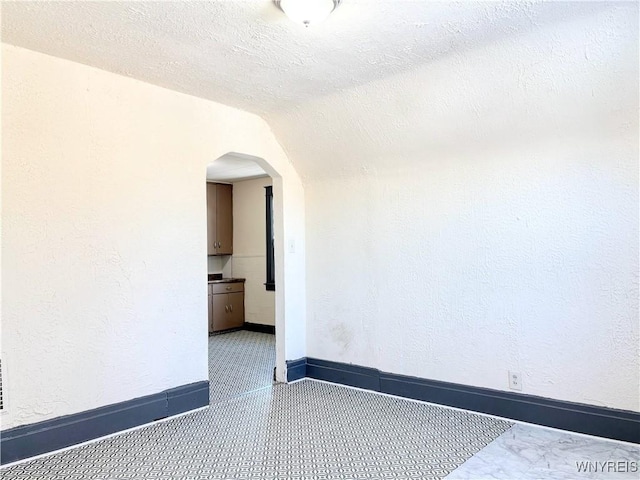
x=319, y=239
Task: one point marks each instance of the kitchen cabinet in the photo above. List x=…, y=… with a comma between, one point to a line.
x=219, y=219
x=226, y=305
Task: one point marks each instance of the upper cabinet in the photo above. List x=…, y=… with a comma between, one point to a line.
x=219, y=219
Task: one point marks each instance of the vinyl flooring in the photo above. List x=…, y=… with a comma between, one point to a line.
x=255, y=429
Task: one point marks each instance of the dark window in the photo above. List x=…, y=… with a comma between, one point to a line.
x=271, y=275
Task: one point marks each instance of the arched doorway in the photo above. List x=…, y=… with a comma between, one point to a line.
x=252, y=180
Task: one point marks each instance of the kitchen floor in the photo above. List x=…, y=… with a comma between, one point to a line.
x=315, y=430
x=240, y=362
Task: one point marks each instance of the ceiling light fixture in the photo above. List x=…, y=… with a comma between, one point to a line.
x=307, y=12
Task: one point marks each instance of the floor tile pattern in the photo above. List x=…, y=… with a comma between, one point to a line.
x=240, y=362
x=309, y=430
x=254, y=430
x=314, y=430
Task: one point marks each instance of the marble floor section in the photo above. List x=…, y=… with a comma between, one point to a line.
x=315, y=430
x=530, y=452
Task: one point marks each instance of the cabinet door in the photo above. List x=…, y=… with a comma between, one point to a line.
x=224, y=219
x=221, y=316
x=236, y=308
x=211, y=218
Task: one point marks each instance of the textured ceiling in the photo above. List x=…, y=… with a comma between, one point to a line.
x=247, y=54
x=380, y=84
x=564, y=83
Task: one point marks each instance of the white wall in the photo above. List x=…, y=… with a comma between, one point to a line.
x=104, y=238
x=249, y=258
x=219, y=264
x=480, y=215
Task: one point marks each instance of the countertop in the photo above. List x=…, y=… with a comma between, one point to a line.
x=228, y=280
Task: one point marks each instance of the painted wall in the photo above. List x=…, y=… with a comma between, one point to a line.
x=481, y=215
x=249, y=258
x=219, y=264
x=103, y=234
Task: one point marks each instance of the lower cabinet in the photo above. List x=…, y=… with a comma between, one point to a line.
x=226, y=306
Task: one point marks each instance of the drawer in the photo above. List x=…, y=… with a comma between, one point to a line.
x=226, y=287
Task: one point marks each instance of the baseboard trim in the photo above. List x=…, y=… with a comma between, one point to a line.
x=296, y=369
x=575, y=417
x=352, y=375
x=37, y=438
x=258, y=327
x=187, y=397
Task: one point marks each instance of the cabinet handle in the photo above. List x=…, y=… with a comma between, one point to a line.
x=231, y=308
x=219, y=245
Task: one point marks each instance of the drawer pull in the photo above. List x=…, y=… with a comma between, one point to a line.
x=228, y=288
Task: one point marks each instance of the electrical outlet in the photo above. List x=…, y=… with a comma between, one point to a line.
x=515, y=382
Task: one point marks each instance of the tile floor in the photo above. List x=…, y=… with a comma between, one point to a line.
x=240, y=362
x=315, y=430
